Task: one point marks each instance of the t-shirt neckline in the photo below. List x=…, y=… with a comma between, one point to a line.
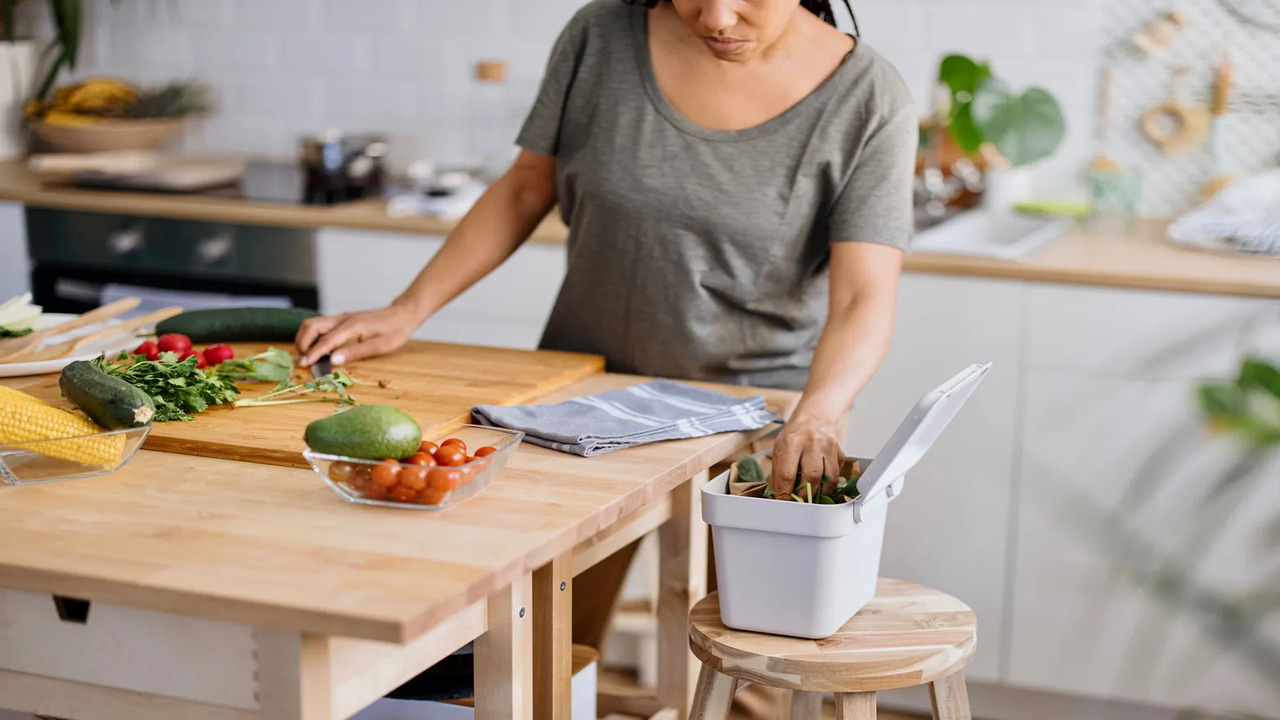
x=644, y=61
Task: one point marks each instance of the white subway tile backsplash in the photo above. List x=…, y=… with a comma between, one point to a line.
x=283, y=67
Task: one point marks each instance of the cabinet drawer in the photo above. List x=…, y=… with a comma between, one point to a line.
x=128, y=649
x=1143, y=335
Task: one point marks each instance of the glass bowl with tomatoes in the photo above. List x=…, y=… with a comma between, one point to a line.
x=454, y=462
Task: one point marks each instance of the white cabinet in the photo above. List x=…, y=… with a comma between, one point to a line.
x=1141, y=572
x=1132, y=552
x=14, y=271
x=950, y=528
x=360, y=270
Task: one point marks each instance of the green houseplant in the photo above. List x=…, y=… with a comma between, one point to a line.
x=985, y=111
x=64, y=50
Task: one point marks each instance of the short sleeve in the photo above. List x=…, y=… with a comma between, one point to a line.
x=875, y=204
x=541, y=131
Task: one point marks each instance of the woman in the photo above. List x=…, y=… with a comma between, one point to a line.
x=736, y=176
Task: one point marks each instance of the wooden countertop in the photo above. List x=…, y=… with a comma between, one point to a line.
x=1144, y=262
x=273, y=546
x=18, y=184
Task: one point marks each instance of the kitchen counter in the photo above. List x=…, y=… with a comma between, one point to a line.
x=1143, y=262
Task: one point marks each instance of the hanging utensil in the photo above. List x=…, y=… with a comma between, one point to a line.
x=1221, y=103
x=1175, y=126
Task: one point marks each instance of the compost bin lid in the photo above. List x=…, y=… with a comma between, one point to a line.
x=919, y=431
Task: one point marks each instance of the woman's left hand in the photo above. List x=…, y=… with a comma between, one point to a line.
x=810, y=447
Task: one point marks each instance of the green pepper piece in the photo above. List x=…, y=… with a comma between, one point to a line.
x=824, y=500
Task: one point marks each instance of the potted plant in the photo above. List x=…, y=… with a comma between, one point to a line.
x=18, y=58
x=1009, y=129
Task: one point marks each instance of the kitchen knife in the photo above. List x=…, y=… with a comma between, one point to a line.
x=322, y=367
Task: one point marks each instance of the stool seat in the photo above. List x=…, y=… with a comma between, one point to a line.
x=907, y=635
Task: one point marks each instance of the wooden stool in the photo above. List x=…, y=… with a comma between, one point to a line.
x=906, y=636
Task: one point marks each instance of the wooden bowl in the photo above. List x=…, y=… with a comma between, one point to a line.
x=108, y=135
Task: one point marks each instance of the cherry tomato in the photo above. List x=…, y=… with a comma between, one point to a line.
x=386, y=473
x=486, y=450
x=175, y=343
x=218, y=354
x=401, y=493
x=451, y=455
x=444, y=479
x=428, y=447
x=148, y=348
x=431, y=496
x=455, y=441
x=413, y=476
x=376, y=492
x=422, y=458
x=342, y=472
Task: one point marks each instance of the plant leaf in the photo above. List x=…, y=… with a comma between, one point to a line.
x=1024, y=128
x=961, y=74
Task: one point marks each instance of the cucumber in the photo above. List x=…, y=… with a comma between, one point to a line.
x=108, y=401
x=248, y=324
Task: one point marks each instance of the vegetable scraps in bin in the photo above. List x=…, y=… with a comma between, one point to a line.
x=749, y=477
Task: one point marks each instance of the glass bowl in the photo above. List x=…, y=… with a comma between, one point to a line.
x=45, y=461
x=352, y=478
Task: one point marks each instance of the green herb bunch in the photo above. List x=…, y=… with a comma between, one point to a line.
x=178, y=388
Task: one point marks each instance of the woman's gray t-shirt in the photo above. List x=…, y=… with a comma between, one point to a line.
x=703, y=254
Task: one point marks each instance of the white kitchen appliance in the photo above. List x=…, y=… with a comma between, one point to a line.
x=803, y=569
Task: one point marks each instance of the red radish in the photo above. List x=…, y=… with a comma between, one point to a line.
x=200, y=361
x=218, y=354
x=175, y=343
x=148, y=348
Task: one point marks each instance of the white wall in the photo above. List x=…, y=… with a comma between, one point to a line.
x=403, y=66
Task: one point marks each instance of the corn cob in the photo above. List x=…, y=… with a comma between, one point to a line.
x=24, y=419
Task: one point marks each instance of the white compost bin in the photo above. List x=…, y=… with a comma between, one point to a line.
x=801, y=569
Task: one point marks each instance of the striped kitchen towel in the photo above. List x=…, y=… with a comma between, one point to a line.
x=651, y=412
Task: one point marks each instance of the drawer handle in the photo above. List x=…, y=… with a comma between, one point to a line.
x=72, y=610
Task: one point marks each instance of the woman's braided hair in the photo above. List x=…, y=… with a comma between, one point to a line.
x=821, y=8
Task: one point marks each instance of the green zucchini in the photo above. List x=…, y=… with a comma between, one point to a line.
x=250, y=324
x=109, y=401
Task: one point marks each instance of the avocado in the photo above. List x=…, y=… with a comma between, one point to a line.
x=367, y=432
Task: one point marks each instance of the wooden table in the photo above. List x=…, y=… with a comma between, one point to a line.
x=231, y=590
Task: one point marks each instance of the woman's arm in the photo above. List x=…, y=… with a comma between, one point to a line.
x=496, y=227
x=864, y=296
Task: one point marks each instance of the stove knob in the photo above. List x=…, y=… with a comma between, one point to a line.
x=124, y=242
x=214, y=249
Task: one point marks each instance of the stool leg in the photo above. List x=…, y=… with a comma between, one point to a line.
x=803, y=705
x=713, y=695
x=856, y=706
x=950, y=698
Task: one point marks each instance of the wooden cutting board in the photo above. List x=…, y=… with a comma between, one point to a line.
x=435, y=383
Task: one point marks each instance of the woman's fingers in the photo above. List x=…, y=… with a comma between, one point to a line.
x=368, y=347
x=832, y=460
x=786, y=462
x=350, y=328
x=811, y=472
x=313, y=328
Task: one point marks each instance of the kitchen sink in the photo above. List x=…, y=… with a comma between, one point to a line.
x=983, y=233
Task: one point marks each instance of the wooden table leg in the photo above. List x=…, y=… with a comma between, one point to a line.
x=504, y=656
x=682, y=582
x=553, y=639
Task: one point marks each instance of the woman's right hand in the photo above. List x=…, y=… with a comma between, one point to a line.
x=374, y=332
